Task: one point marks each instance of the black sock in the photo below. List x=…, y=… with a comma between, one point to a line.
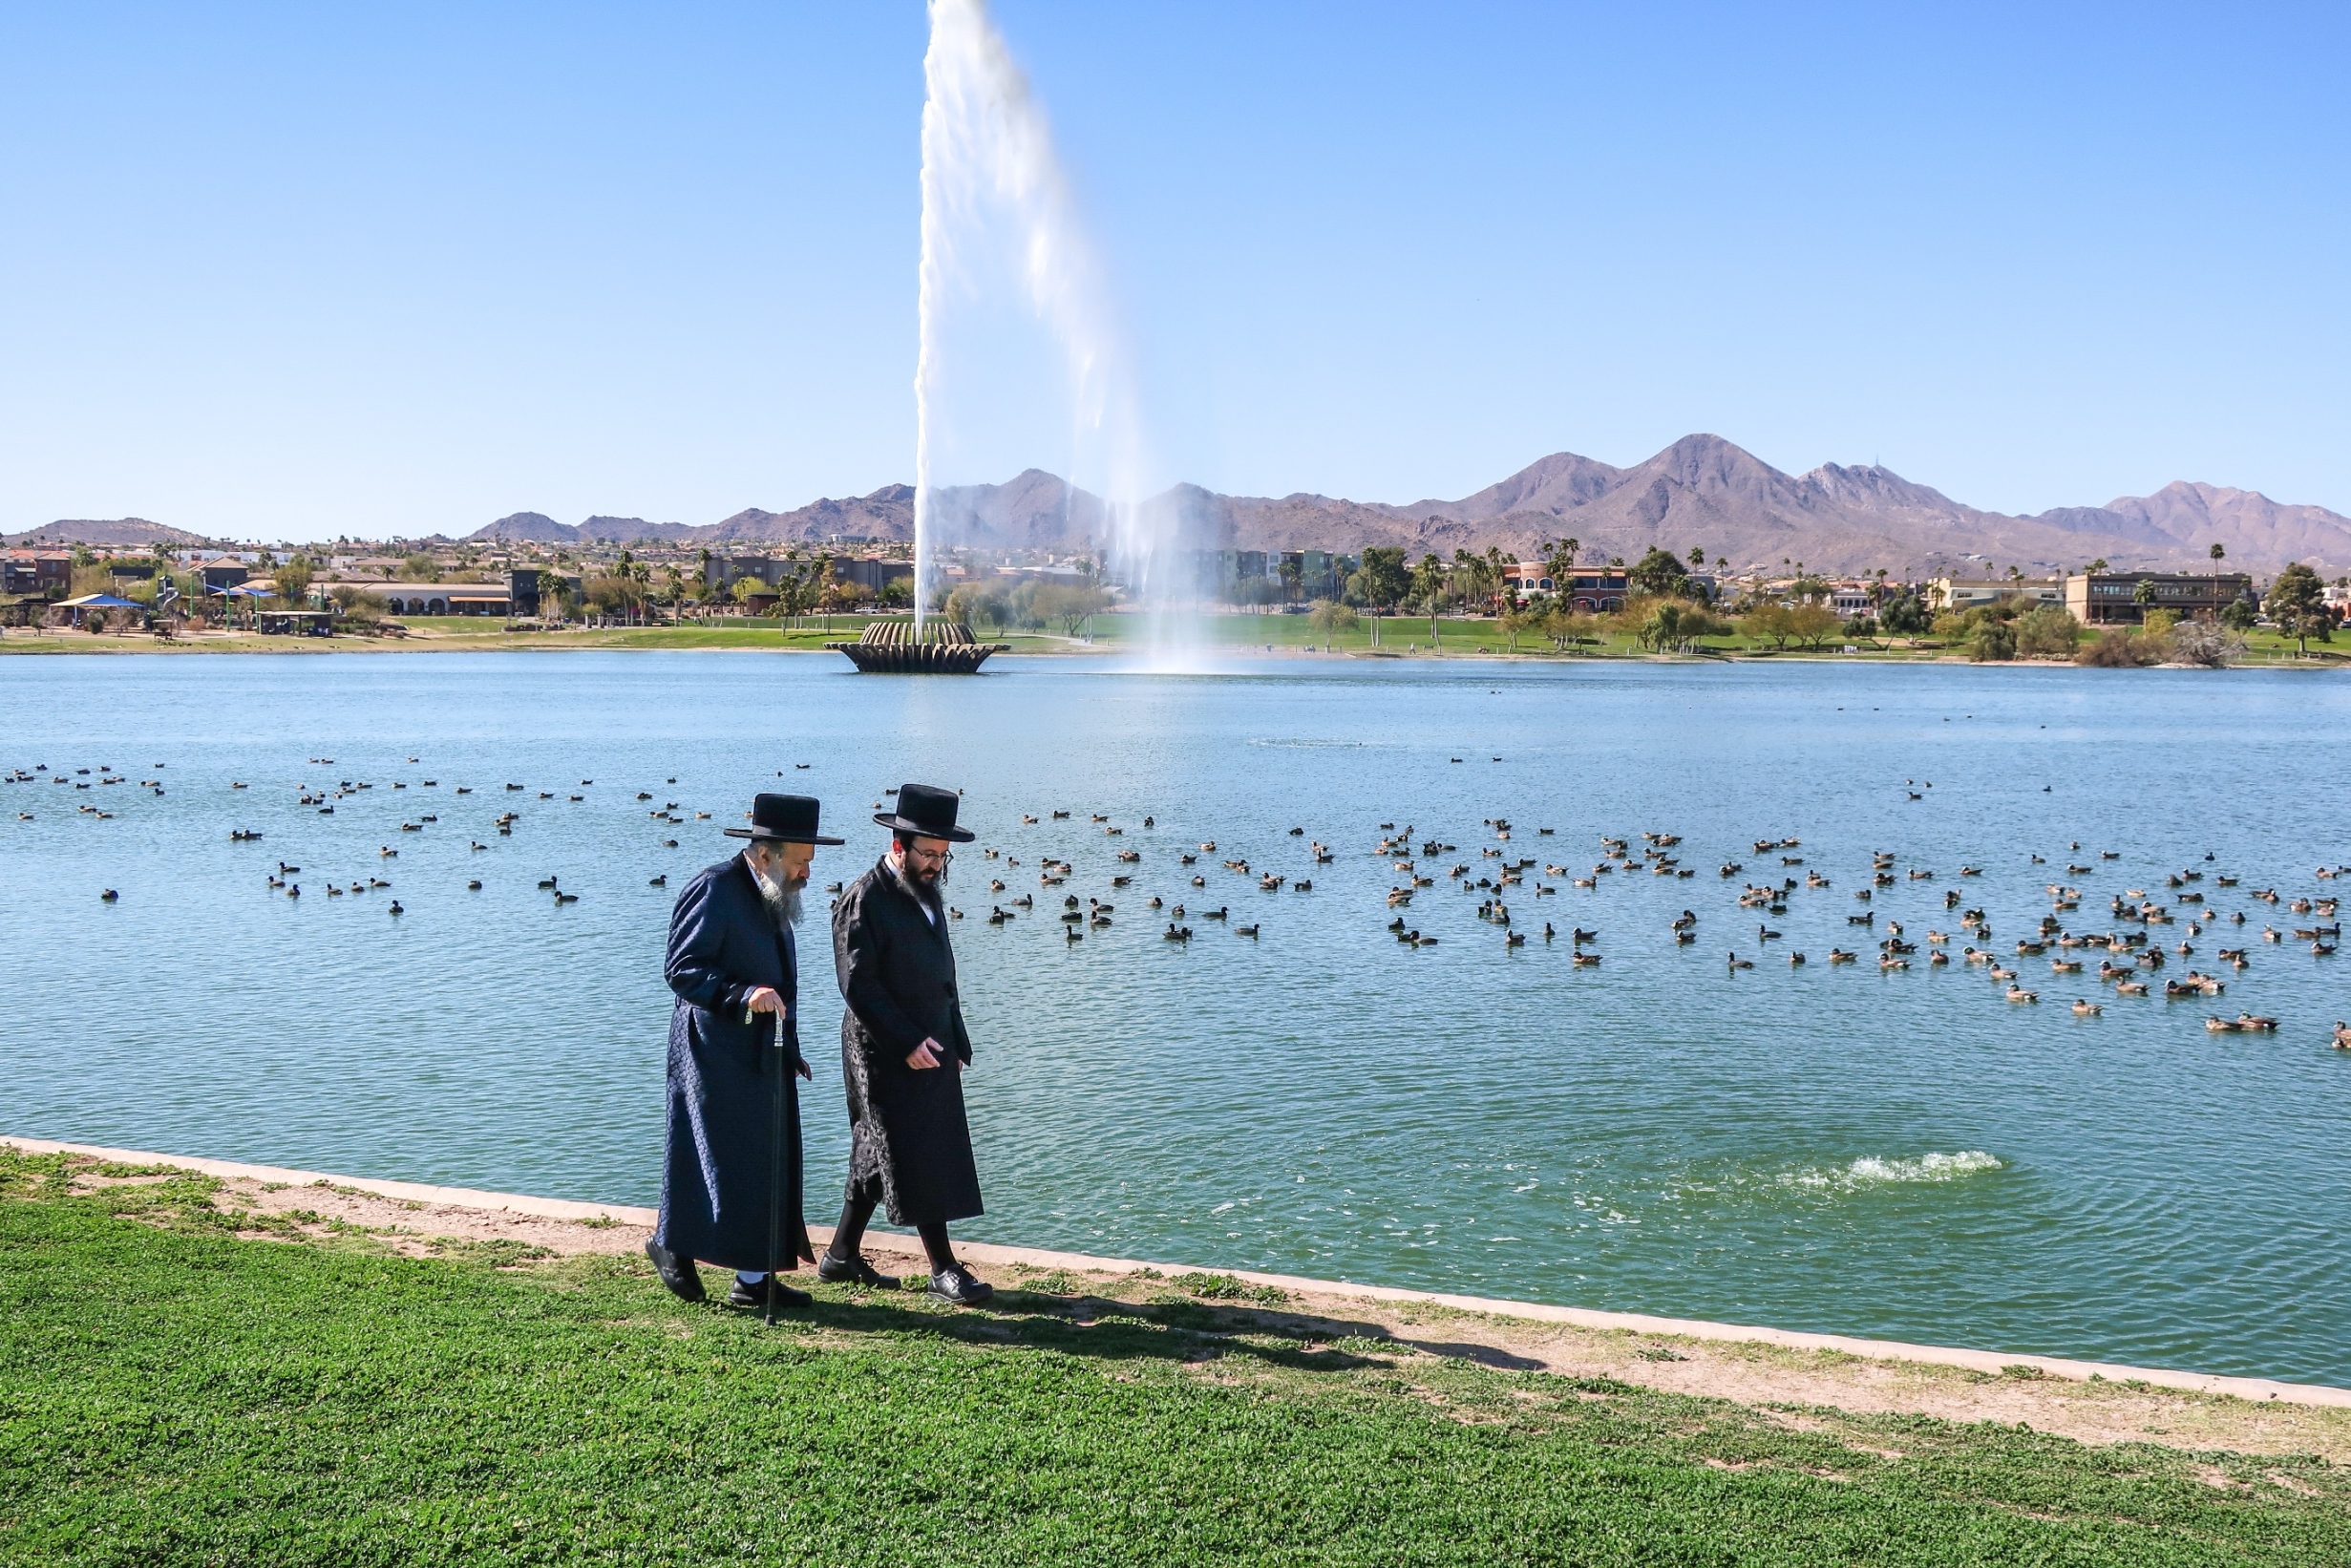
x=934, y=1243
x=850, y=1234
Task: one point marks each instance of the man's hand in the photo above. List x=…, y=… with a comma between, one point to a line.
x=804, y=1071
x=923, y=1055
x=764, y=999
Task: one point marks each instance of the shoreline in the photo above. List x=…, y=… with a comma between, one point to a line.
x=1982, y=1364
x=2317, y=664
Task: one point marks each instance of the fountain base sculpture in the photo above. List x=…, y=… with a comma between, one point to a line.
x=944, y=647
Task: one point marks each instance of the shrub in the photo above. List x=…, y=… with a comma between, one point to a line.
x=2048, y=632
x=2207, y=643
x=1991, y=641
x=2117, y=649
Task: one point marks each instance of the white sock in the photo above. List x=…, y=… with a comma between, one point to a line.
x=750, y=1275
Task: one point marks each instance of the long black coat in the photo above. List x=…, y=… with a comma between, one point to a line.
x=908, y=1139
x=714, y=1185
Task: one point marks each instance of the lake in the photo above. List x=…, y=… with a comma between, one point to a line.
x=1826, y=1147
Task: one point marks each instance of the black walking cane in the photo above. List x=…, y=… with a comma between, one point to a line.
x=775, y=1171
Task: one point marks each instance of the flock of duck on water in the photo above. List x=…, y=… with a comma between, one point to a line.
x=2140, y=950
x=2129, y=957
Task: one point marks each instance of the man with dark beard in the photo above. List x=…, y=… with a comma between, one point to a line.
x=733, y=1160
x=903, y=1050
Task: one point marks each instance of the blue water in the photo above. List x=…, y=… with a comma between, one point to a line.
x=1838, y=1149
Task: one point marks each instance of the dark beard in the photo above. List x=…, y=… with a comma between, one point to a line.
x=915, y=890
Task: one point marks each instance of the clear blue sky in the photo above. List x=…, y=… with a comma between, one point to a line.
x=301, y=270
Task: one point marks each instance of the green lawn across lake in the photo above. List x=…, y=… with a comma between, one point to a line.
x=171, y=1393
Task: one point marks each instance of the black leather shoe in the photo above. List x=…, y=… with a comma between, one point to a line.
x=856, y=1270
x=755, y=1297
x=679, y=1274
x=959, y=1285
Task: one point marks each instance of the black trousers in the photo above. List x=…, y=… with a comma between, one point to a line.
x=858, y=1211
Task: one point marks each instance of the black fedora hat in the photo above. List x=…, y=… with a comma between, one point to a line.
x=926, y=812
x=786, y=818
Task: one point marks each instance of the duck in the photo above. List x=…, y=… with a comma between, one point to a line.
x=474, y=886
x=1510, y=939
x=662, y=881
x=1177, y=933
x=108, y=896
x=2342, y=1035
x=2018, y=993
x=1251, y=931
x=1584, y=961
x=1735, y=962
x=1839, y=955
x=2254, y=1023
x=1070, y=932
x=2130, y=988
x=562, y=899
x=2084, y=1007
x=396, y=909
x=1795, y=960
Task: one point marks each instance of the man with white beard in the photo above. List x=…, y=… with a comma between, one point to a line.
x=732, y=1161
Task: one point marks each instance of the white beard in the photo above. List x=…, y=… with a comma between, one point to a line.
x=783, y=903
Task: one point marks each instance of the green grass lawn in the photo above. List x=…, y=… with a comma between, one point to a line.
x=170, y=1393
x=1398, y=636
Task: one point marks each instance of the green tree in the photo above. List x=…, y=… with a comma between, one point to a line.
x=1381, y=582
x=2048, y=632
x=420, y=567
x=1559, y=563
x=1331, y=619
x=1660, y=573
x=1903, y=616
x=2144, y=595
x=1428, y=587
x=1772, y=622
x=1813, y=622
x=1991, y=641
x=2297, y=604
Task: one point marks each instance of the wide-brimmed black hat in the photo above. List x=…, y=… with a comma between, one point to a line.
x=926, y=812
x=785, y=818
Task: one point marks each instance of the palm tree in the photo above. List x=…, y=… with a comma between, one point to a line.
x=2219, y=554
x=1428, y=587
x=1559, y=562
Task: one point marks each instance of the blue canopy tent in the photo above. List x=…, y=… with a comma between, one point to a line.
x=100, y=602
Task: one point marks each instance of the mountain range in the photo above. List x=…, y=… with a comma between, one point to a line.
x=1701, y=492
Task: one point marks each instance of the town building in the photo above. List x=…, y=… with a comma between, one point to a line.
x=873, y=573
x=451, y=597
x=36, y=573
x=2109, y=599
x=1590, y=590
x=1958, y=595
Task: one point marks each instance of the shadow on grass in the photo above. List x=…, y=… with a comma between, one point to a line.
x=1170, y=1330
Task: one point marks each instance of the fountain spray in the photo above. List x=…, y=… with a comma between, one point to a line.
x=990, y=176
